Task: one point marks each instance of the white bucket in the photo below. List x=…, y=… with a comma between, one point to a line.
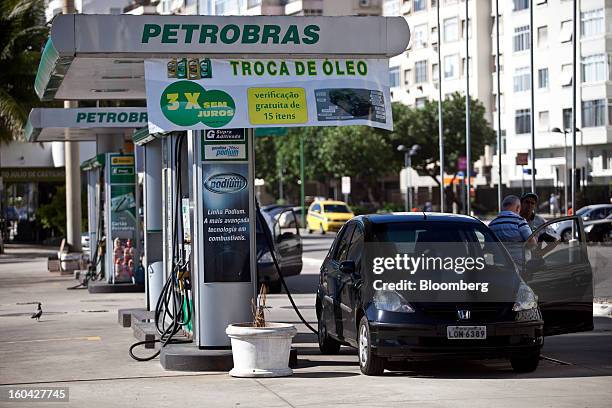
x=261, y=351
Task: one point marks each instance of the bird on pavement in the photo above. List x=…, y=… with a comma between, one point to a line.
x=38, y=313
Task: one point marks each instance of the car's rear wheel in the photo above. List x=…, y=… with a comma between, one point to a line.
x=327, y=345
x=525, y=364
x=369, y=362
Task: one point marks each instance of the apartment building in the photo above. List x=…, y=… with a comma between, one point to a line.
x=552, y=30
x=54, y=7
x=414, y=78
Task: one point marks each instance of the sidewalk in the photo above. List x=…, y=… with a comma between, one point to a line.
x=79, y=344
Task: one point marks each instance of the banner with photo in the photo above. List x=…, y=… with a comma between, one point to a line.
x=202, y=93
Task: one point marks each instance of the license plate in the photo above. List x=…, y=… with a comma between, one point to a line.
x=466, y=332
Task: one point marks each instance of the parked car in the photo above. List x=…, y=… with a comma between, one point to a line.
x=587, y=213
x=327, y=215
x=387, y=326
x=286, y=244
x=599, y=230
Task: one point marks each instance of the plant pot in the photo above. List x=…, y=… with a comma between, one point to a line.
x=261, y=351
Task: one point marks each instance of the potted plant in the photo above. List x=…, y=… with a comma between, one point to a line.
x=260, y=348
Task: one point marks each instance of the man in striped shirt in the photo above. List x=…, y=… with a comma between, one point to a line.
x=512, y=229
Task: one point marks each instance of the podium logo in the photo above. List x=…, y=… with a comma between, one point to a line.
x=225, y=183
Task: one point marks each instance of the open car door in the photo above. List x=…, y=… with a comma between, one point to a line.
x=560, y=274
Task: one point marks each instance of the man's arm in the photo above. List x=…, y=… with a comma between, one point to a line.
x=525, y=232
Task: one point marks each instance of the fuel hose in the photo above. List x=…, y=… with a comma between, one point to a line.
x=268, y=236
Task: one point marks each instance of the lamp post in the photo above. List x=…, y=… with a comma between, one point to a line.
x=565, y=192
x=408, y=153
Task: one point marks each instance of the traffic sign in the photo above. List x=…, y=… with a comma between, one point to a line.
x=346, y=185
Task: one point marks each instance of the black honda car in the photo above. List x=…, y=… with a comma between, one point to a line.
x=550, y=292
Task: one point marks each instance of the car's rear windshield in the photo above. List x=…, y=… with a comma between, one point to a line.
x=336, y=208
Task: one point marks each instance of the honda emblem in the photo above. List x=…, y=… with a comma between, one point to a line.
x=463, y=314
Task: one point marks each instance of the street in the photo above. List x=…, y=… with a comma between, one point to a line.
x=78, y=344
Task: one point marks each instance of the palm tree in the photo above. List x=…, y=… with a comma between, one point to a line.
x=22, y=35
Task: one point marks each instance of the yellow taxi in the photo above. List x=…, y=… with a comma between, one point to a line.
x=327, y=215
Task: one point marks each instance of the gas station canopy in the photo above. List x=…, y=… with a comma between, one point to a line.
x=49, y=124
x=94, y=57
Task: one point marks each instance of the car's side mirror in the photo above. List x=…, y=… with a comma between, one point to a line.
x=347, y=267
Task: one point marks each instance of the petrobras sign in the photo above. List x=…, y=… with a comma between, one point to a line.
x=225, y=183
x=84, y=118
x=137, y=36
x=202, y=93
x=231, y=33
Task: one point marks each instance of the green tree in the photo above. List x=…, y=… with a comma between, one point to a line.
x=420, y=126
x=367, y=154
x=22, y=34
x=283, y=152
x=363, y=153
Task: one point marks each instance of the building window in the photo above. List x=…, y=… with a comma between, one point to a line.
x=566, y=31
x=543, y=78
x=420, y=36
x=420, y=102
x=451, y=30
x=394, y=77
x=522, y=79
x=594, y=68
x=566, y=75
x=521, y=38
x=594, y=113
x=391, y=8
x=418, y=5
x=434, y=73
x=567, y=118
x=522, y=121
x=434, y=35
x=592, y=22
x=420, y=72
x=313, y=12
x=451, y=66
x=407, y=75
x=520, y=4
x=543, y=36
x=543, y=121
